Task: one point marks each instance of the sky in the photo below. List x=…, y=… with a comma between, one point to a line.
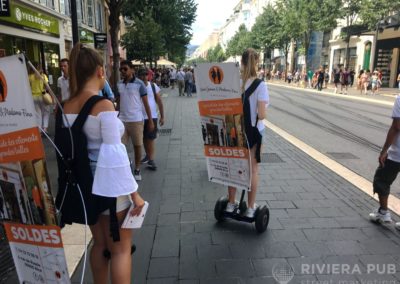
x=211, y=14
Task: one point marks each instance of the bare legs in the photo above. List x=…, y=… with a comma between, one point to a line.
x=251, y=196
x=149, y=148
x=121, y=261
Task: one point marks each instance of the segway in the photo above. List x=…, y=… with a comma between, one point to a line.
x=261, y=216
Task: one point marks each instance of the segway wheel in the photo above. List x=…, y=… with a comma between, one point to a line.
x=261, y=219
x=220, y=208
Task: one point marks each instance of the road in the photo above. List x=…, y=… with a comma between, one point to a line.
x=350, y=132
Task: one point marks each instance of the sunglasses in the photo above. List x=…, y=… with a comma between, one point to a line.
x=123, y=69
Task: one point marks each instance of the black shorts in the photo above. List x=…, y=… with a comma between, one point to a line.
x=385, y=176
x=153, y=134
x=254, y=138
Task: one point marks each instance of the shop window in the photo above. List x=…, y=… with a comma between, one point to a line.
x=99, y=16
x=90, y=12
x=79, y=10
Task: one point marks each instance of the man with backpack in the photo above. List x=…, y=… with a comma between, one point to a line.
x=154, y=98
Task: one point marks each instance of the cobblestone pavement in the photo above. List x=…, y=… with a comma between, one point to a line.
x=318, y=228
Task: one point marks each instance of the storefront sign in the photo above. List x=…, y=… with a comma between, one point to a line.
x=100, y=41
x=4, y=8
x=86, y=36
x=222, y=127
x=31, y=20
x=26, y=202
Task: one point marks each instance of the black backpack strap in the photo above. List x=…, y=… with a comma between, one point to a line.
x=250, y=90
x=154, y=89
x=114, y=225
x=87, y=107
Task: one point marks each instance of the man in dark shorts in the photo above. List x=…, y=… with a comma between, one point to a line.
x=344, y=80
x=389, y=167
x=154, y=98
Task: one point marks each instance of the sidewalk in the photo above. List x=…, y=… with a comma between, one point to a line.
x=383, y=92
x=318, y=220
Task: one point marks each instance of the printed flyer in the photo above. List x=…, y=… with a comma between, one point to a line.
x=25, y=194
x=222, y=124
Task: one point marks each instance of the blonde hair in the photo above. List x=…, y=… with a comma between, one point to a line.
x=83, y=62
x=249, y=65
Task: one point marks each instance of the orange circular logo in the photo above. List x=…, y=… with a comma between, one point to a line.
x=216, y=75
x=3, y=87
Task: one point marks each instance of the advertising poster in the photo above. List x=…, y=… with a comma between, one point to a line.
x=38, y=253
x=222, y=124
x=25, y=195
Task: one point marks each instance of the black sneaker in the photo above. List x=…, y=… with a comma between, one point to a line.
x=151, y=165
x=145, y=160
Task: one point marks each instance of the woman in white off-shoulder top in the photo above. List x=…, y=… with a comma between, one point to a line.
x=110, y=164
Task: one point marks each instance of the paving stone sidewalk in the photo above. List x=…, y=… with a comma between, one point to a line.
x=318, y=220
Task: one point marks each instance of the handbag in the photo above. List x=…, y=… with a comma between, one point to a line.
x=47, y=99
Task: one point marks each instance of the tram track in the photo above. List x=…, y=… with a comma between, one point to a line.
x=326, y=125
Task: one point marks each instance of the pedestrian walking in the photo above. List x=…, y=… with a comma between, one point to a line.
x=180, y=78
x=365, y=79
x=344, y=80
x=321, y=76
x=132, y=98
x=352, y=73
x=374, y=82
x=103, y=130
x=154, y=98
x=63, y=81
x=38, y=88
x=172, y=76
x=326, y=78
x=389, y=167
x=336, y=78
x=254, y=112
x=189, y=82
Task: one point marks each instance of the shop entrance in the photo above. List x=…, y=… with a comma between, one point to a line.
x=44, y=53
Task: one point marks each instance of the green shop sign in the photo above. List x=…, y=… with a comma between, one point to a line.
x=31, y=20
x=86, y=36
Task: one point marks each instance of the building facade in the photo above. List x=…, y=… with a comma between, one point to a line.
x=42, y=30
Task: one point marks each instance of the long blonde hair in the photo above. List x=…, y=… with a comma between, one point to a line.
x=249, y=65
x=83, y=62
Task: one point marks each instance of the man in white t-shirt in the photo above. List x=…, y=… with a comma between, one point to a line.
x=389, y=167
x=63, y=81
x=132, y=98
x=154, y=98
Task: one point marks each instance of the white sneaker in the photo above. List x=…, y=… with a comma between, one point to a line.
x=230, y=207
x=137, y=175
x=377, y=216
x=397, y=225
x=250, y=211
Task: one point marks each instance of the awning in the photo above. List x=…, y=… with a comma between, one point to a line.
x=165, y=62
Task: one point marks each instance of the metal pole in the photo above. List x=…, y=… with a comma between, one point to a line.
x=375, y=53
x=74, y=20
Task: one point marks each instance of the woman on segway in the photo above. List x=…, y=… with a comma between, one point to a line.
x=255, y=100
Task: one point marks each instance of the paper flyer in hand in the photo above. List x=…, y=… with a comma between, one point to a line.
x=135, y=222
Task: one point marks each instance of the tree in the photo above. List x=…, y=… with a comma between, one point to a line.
x=350, y=10
x=373, y=11
x=216, y=54
x=143, y=40
x=175, y=17
x=307, y=16
x=114, y=7
x=265, y=30
x=239, y=42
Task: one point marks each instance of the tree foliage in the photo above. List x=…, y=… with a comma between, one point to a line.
x=143, y=40
x=265, y=31
x=306, y=16
x=174, y=17
x=216, y=54
x=239, y=42
x=373, y=11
